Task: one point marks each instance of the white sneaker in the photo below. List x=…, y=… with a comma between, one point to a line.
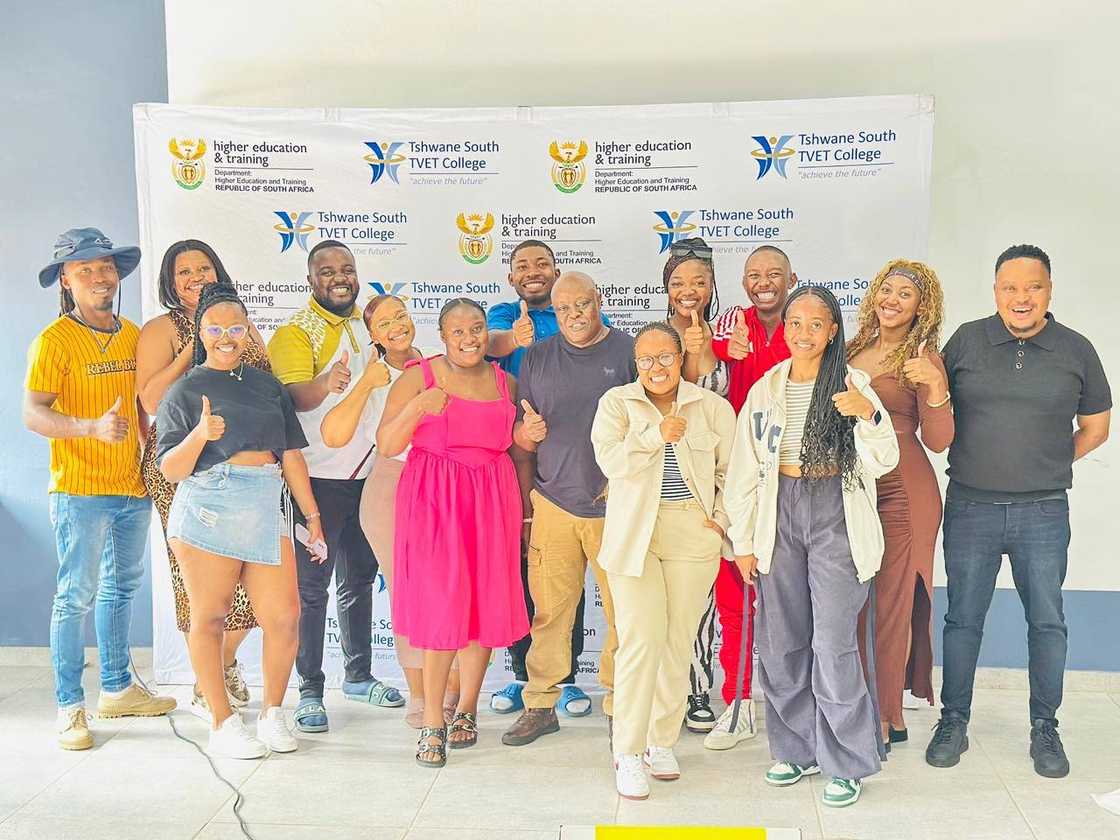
x=662, y=763
x=722, y=737
x=73, y=729
x=200, y=708
x=232, y=740
x=630, y=777
x=273, y=731
x=909, y=701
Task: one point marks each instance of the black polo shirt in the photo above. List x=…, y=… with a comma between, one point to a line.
x=1014, y=402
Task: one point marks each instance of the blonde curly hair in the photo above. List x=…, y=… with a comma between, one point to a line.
x=926, y=325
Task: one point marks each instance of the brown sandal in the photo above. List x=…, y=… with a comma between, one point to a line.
x=467, y=723
x=439, y=750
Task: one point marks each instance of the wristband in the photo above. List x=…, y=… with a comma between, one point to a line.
x=526, y=520
x=938, y=405
x=314, y=515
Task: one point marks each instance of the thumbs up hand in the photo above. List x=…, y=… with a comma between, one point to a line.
x=920, y=370
x=210, y=426
x=523, y=333
x=673, y=426
x=532, y=424
x=851, y=403
x=338, y=377
x=694, y=336
x=110, y=427
x=739, y=347
x=376, y=374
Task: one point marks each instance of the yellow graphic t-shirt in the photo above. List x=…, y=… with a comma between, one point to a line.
x=66, y=360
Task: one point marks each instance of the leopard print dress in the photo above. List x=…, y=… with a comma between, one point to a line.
x=162, y=492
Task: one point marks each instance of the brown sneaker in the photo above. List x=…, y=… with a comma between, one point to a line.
x=135, y=702
x=73, y=729
x=532, y=724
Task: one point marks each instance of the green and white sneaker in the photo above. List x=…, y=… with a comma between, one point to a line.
x=841, y=792
x=783, y=773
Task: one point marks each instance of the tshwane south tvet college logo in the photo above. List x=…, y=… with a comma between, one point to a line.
x=294, y=228
x=772, y=154
x=384, y=159
x=568, y=171
x=475, y=243
x=674, y=226
x=188, y=169
x=394, y=289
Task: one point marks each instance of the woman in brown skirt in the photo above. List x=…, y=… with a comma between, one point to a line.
x=163, y=355
x=899, y=325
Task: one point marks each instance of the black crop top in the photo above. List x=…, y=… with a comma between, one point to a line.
x=258, y=412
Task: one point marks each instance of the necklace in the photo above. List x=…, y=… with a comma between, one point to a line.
x=93, y=331
x=237, y=374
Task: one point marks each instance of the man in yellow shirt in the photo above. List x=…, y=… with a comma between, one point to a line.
x=80, y=393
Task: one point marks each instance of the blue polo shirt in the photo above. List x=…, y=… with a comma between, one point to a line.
x=501, y=317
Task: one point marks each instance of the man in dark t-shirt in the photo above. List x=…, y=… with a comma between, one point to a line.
x=1019, y=382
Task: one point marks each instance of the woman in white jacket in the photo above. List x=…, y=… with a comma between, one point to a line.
x=809, y=445
x=663, y=444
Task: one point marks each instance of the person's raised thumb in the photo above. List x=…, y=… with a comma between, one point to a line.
x=848, y=382
x=921, y=350
x=524, y=309
x=345, y=358
x=741, y=321
x=528, y=408
x=695, y=319
x=674, y=409
x=116, y=407
x=205, y=406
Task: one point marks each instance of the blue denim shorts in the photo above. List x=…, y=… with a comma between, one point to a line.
x=232, y=510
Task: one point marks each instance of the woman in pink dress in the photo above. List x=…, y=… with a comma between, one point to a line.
x=458, y=520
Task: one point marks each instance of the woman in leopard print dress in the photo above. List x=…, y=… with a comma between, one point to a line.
x=162, y=356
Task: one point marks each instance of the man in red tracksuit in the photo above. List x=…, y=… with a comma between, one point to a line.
x=751, y=341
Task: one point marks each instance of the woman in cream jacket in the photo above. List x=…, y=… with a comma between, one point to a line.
x=810, y=442
x=663, y=444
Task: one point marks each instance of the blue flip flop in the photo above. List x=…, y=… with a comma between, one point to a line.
x=311, y=715
x=571, y=695
x=374, y=693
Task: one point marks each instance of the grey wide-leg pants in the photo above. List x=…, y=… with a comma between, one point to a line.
x=818, y=706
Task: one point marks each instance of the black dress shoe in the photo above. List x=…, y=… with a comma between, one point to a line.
x=897, y=736
x=949, y=740
x=1047, y=751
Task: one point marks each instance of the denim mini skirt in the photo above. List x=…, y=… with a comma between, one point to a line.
x=232, y=510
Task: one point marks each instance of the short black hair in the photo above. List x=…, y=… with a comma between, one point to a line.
x=776, y=250
x=322, y=246
x=454, y=304
x=531, y=243
x=168, y=297
x=1016, y=252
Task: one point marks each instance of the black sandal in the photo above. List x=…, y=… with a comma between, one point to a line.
x=438, y=750
x=464, y=722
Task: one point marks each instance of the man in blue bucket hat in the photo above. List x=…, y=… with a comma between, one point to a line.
x=80, y=393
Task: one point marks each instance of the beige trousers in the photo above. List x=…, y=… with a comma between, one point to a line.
x=657, y=615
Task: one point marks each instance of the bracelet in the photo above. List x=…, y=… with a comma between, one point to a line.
x=526, y=520
x=314, y=515
x=938, y=405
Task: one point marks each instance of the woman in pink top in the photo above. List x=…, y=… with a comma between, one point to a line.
x=458, y=520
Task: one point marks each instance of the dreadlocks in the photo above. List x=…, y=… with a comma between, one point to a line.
x=926, y=325
x=828, y=444
x=212, y=294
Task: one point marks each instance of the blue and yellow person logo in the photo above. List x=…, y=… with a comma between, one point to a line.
x=772, y=154
x=394, y=289
x=188, y=168
x=294, y=228
x=380, y=582
x=384, y=159
x=568, y=171
x=674, y=225
x=475, y=242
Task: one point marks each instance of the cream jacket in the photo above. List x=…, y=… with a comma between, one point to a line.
x=629, y=449
x=751, y=493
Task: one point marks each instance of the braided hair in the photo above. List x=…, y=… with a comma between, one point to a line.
x=212, y=294
x=828, y=444
x=711, y=309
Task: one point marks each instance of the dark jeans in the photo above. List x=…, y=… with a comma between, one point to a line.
x=520, y=649
x=351, y=560
x=1035, y=536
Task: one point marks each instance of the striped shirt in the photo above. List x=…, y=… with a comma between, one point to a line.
x=66, y=360
x=798, y=397
x=673, y=487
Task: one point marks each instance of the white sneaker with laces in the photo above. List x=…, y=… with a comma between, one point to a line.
x=199, y=708
x=909, y=701
x=630, y=777
x=722, y=737
x=273, y=731
x=662, y=763
x=232, y=740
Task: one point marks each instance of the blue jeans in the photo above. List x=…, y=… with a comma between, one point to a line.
x=101, y=543
x=1035, y=536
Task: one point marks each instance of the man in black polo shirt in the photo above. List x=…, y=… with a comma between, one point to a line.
x=1019, y=381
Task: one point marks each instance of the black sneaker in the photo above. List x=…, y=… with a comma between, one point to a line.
x=1047, y=751
x=948, y=742
x=700, y=717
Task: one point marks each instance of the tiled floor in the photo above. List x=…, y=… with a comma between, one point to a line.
x=360, y=781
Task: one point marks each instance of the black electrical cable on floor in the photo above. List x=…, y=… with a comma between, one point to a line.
x=239, y=801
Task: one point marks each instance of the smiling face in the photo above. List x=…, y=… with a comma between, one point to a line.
x=334, y=279
x=1023, y=290
x=656, y=347
x=690, y=288
x=808, y=328
x=576, y=302
x=391, y=326
x=532, y=273
x=93, y=283
x=896, y=302
x=192, y=271
x=767, y=280
x=465, y=336
x=224, y=332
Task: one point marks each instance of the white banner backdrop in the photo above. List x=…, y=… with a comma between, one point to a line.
x=431, y=201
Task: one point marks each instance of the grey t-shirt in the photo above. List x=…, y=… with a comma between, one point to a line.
x=1014, y=401
x=563, y=384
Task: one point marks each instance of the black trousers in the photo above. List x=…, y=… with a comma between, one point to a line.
x=520, y=649
x=351, y=560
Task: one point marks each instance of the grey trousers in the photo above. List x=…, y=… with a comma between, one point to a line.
x=818, y=706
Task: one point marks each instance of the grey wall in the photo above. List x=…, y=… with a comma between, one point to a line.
x=72, y=72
